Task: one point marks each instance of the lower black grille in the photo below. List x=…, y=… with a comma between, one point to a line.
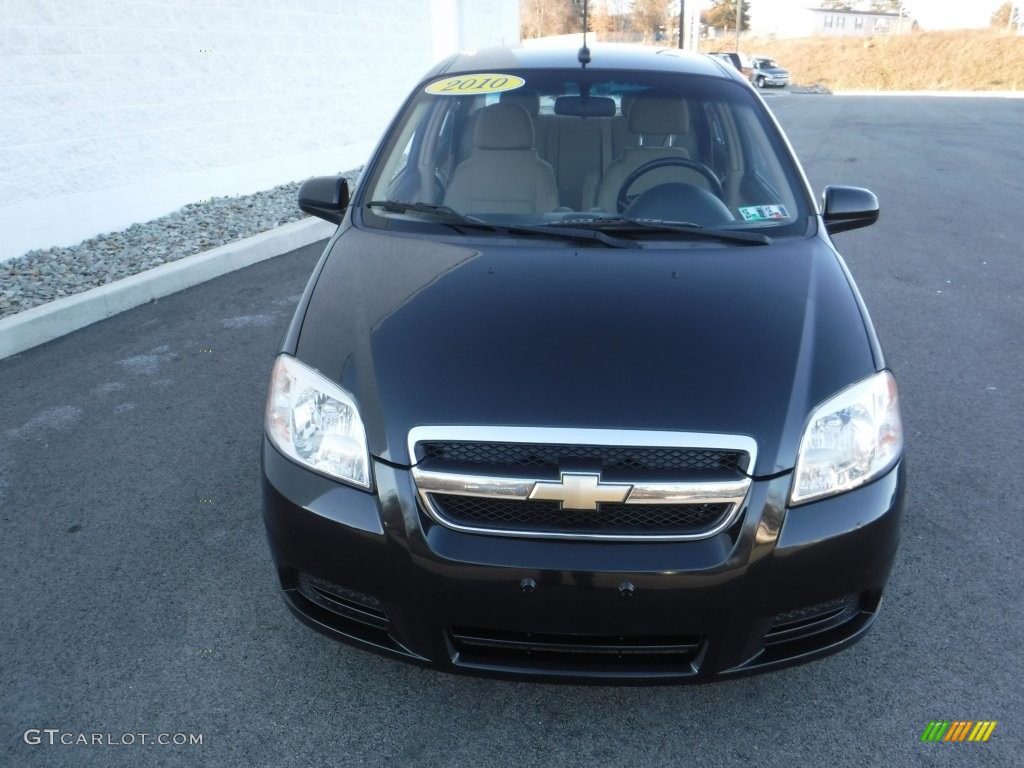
x=342, y=601
x=546, y=516
x=812, y=620
x=354, y=615
x=488, y=648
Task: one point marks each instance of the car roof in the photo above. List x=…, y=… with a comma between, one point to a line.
x=603, y=56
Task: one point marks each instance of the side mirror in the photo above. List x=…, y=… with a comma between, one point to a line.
x=845, y=208
x=325, y=196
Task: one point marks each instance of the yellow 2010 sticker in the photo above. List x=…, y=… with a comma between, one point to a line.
x=465, y=85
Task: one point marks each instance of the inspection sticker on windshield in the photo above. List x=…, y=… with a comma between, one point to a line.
x=763, y=212
x=468, y=84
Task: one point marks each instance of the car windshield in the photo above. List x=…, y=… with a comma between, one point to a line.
x=764, y=63
x=584, y=149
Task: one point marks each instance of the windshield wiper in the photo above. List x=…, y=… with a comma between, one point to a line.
x=460, y=221
x=443, y=213
x=571, y=233
x=627, y=224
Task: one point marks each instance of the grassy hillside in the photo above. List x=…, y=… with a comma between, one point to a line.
x=966, y=60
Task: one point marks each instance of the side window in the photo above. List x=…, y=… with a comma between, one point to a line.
x=394, y=181
x=718, y=157
x=403, y=160
x=450, y=139
x=421, y=168
x=444, y=152
x=764, y=182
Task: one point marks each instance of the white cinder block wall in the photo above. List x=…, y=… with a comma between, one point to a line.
x=118, y=111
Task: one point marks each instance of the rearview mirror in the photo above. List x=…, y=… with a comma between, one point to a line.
x=325, y=196
x=585, y=106
x=845, y=208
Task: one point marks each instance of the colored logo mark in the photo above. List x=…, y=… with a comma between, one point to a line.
x=958, y=730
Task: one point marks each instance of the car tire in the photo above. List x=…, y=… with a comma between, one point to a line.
x=760, y=81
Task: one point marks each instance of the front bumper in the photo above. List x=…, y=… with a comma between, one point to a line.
x=781, y=586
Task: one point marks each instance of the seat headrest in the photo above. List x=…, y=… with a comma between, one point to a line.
x=503, y=126
x=658, y=113
x=527, y=98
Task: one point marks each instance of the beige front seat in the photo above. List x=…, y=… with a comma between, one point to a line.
x=652, y=114
x=504, y=174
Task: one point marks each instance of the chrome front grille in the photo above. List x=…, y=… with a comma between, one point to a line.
x=581, y=484
x=611, y=458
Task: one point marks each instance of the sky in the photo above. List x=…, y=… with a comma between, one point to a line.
x=930, y=14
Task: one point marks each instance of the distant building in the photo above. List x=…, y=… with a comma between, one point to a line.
x=824, y=21
x=789, y=20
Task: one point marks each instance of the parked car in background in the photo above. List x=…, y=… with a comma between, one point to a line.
x=766, y=73
x=739, y=60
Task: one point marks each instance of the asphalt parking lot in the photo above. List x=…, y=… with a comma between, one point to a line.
x=138, y=594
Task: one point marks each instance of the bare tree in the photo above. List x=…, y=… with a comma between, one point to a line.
x=722, y=13
x=650, y=17
x=1001, y=16
x=601, y=21
x=538, y=18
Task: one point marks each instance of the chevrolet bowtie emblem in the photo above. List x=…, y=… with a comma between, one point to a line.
x=580, y=490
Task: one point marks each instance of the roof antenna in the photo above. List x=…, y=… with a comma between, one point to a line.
x=584, y=53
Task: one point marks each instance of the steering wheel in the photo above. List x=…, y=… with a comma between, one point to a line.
x=622, y=199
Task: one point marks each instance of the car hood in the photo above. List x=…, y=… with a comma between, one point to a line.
x=700, y=338
x=773, y=71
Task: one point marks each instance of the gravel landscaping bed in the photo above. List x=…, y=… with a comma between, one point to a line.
x=46, y=274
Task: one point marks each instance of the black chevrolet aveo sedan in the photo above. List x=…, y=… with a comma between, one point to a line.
x=580, y=388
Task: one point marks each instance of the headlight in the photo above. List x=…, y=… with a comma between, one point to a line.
x=850, y=439
x=315, y=422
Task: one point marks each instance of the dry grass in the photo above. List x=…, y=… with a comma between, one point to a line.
x=965, y=60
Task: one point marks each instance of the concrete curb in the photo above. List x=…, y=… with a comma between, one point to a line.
x=50, y=321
